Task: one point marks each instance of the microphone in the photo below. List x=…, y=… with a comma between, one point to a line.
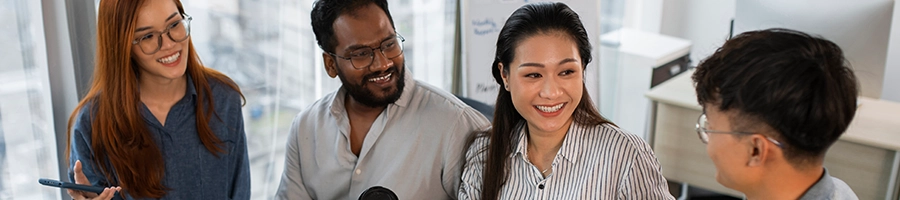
x=378, y=193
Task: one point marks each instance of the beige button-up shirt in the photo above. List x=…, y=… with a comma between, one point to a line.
x=415, y=147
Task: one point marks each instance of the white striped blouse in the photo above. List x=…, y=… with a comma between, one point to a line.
x=596, y=162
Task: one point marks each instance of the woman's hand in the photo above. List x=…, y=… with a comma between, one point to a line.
x=80, y=179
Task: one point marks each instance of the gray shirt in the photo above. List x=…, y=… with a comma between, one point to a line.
x=415, y=147
x=829, y=188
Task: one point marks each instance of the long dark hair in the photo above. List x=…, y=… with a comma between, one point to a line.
x=525, y=22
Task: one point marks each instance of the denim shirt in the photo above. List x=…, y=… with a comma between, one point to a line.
x=191, y=171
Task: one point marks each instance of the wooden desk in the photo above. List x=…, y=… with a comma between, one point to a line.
x=866, y=156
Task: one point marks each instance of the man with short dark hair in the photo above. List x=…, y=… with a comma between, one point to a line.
x=381, y=128
x=774, y=101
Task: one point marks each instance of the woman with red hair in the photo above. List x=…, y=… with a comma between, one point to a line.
x=156, y=122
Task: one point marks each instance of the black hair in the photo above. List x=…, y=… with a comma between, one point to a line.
x=797, y=84
x=324, y=12
x=527, y=21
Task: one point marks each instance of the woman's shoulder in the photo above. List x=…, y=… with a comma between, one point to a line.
x=607, y=133
x=222, y=89
x=85, y=114
x=607, y=129
x=83, y=117
x=479, y=139
x=478, y=143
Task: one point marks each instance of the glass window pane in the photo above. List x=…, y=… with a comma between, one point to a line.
x=27, y=142
x=428, y=26
x=269, y=49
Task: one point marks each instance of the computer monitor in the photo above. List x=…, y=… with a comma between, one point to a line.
x=860, y=27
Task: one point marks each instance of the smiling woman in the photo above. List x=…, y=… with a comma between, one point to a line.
x=156, y=121
x=547, y=139
x=546, y=82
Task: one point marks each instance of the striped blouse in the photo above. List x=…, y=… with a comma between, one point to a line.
x=594, y=162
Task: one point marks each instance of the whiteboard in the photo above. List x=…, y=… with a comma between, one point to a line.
x=481, y=23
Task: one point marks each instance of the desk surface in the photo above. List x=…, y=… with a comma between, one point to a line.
x=877, y=122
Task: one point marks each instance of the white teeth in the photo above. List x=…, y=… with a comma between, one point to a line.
x=381, y=78
x=550, y=108
x=169, y=59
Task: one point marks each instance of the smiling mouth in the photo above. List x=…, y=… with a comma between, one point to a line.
x=169, y=59
x=381, y=78
x=550, y=109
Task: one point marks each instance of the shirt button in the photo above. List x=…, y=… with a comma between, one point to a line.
x=541, y=186
x=358, y=171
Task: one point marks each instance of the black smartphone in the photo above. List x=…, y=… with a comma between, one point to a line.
x=67, y=185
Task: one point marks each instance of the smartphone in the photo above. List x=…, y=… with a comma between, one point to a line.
x=67, y=185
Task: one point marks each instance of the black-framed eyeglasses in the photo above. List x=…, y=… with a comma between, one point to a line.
x=177, y=31
x=703, y=132
x=362, y=58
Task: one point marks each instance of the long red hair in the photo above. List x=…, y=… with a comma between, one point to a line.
x=120, y=136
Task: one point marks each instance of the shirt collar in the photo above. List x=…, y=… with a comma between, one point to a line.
x=408, y=89
x=570, y=149
x=822, y=189
x=337, y=105
x=189, y=98
x=523, y=142
x=572, y=144
x=190, y=86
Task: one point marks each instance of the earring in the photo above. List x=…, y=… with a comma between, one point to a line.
x=506, y=86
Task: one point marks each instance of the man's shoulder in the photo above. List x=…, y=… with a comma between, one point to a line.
x=442, y=100
x=842, y=191
x=437, y=105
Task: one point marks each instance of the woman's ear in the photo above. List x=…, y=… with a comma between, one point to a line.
x=504, y=75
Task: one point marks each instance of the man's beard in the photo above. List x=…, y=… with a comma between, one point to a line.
x=363, y=95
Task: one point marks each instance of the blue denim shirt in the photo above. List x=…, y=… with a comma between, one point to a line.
x=191, y=171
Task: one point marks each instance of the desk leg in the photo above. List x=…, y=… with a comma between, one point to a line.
x=651, y=132
x=684, y=191
x=893, y=191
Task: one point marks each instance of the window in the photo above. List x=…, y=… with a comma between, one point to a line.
x=27, y=141
x=269, y=49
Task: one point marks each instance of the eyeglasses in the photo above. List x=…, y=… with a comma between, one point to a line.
x=177, y=31
x=362, y=58
x=703, y=132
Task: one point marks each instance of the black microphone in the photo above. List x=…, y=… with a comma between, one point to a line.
x=378, y=193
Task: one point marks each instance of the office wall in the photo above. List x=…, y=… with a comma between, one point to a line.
x=861, y=28
x=644, y=15
x=891, y=85
x=706, y=23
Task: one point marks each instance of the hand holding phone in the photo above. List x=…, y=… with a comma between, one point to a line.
x=67, y=185
x=82, y=189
